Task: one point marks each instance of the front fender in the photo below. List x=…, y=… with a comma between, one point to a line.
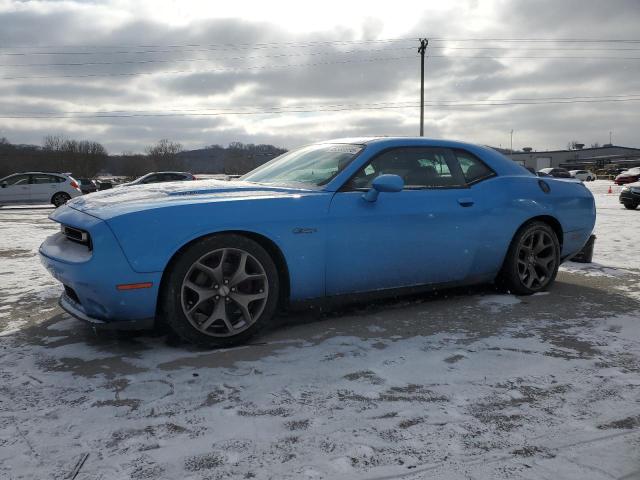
x=150, y=238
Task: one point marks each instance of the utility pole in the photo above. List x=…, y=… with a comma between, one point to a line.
x=610, y=142
x=421, y=50
x=511, y=149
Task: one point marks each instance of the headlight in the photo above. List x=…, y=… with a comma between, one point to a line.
x=625, y=189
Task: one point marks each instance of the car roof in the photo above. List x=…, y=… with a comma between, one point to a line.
x=38, y=173
x=398, y=140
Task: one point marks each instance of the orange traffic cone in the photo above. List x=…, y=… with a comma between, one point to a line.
x=610, y=190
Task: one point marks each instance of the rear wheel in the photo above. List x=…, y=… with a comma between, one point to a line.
x=60, y=198
x=630, y=206
x=221, y=291
x=532, y=260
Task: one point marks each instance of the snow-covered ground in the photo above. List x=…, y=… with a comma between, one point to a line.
x=457, y=385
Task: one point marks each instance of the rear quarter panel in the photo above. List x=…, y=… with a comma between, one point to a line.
x=568, y=201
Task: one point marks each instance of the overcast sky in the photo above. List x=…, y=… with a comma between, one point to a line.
x=187, y=62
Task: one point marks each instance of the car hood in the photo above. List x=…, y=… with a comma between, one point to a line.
x=114, y=202
x=634, y=184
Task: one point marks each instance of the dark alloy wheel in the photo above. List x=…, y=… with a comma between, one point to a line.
x=60, y=198
x=630, y=206
x=221, y=291
x=532, y=260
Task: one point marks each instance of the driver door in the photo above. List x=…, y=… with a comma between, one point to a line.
x=15, y=189
x=424, y=234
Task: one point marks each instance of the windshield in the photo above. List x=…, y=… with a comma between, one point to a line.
x=312, y=165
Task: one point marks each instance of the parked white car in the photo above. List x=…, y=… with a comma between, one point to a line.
x=38, y=187
x=584, y=175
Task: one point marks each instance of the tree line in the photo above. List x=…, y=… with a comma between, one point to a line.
x=86, y=158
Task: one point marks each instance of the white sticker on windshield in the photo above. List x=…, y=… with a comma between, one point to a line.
x=352, y=149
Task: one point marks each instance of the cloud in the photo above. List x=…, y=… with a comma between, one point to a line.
x=150, y=57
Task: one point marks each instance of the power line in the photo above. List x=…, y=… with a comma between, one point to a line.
x=225, y=45
x=216, y=49
x=535, y=40
x=538, y=48
x=131, y=62
x=326, y=42
x=542, y=57
x=205, y=109
x=268, y=67
x=244, y=69
x=630, y=96
x=317, y=109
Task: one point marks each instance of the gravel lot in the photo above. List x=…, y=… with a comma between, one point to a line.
x=462, y=384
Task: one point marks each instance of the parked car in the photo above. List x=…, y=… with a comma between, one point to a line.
x=104, y=184
x=539, y=174
x=584, y=175
x=628, y=176
x=159, y=177
x=334, y=221
x=556, y=172
x=630, y=195
x=38, y=187
x=87, y=185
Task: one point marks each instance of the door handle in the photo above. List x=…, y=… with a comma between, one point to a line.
x=466, y=201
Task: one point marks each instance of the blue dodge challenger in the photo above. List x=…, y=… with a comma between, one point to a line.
x=215, y=260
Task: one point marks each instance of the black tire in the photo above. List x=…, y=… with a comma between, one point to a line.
x=215, y=254
x=60, y=199
x=630, y=206
x=517, y=275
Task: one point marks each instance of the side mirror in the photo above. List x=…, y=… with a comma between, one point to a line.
x=384, y=183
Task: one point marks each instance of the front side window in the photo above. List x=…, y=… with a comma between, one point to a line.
x=472, y=167
x=313, y=165
x=418, y=167
x=148, y=178
x=17, y=180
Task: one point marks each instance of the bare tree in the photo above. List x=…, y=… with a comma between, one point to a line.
x=164, y=154
x=83, y=158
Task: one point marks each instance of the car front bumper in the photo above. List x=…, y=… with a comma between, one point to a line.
x=76, y=310
x=629, y=196
x=91, y=276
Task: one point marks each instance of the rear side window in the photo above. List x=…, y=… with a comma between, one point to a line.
x=172, y=177
x=473, y=169
x=40, y=178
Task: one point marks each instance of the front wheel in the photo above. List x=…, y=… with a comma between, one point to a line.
x=532, y=261
x=60, y=198
x=630, y=206
x=220, y=291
